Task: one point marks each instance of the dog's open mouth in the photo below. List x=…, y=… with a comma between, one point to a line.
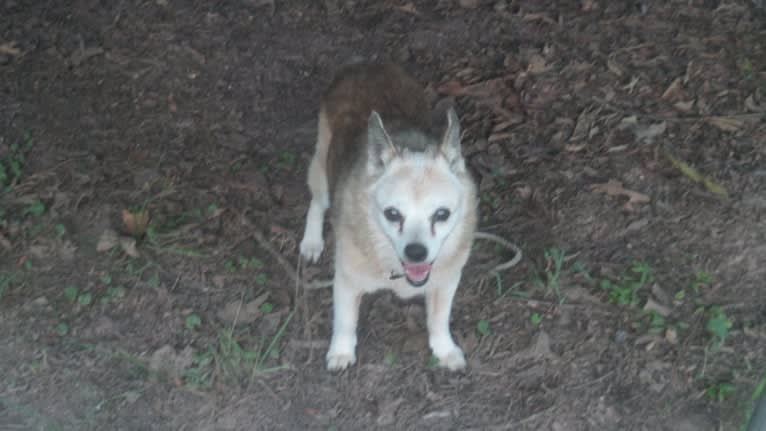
x=417, y=274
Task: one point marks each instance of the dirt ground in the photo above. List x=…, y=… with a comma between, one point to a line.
x=153, y=160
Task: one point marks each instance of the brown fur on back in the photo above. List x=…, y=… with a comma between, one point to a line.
x=355, y=92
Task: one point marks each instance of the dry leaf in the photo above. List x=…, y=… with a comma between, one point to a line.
x=752, y=106
x=537, y=65
x=652, y=305
x=727, y=124
x=574, y=148
x=128, y=245
x=135, y=223
x=4, y=242
x=614, y=67
x=674, y=91
x=408, y=8
x=614, y=188
x=81, y=55
x=107, y=241
x=685, y=107
x=538, y=17
x=650, y=132
x=240, y=313
x=452, y=88
x=671, y=335
x=172, y=107
x=589, y=5
x=9, y=48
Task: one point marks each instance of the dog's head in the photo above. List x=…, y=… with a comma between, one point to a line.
x=418, y=196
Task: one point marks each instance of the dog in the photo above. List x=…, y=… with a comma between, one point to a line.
x=403, y=206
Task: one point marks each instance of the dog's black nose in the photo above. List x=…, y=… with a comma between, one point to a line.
x=416, y=252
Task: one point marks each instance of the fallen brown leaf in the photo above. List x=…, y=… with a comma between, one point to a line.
x=537, y=65
x=240, y=313
x=172, y=107
x=685, y=107
x=539, y=17
x=652, y=305
x=674, y=91
x=727, y=124
x=9, y=48
x=452, y=88
x=135, y=223
x=615, y=188
x=107, y=241
x=128, y=245
x=752, y=106
x=407, y=8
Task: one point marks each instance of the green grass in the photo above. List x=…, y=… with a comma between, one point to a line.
x=482, y=328
x=719, y=391
x=549, y=279
x=228, y=359
x=718, y=325
x=536, y=319
x=624, y=290
x=754, y=398
x=12, y=166
x=32, y=417
x=192, y=322
x=6, y=278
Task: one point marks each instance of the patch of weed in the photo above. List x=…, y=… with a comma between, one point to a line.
x=85, y=299
x=390, y=358
x=433, y=361
x=285, y=161
x=491, y=203
x=36, y=209
x=536, y=319
x=624, y=290
x=12, y=165
x=719, y=391
x=5, y=281
x=718, y=325
x=192, y=322
x=62, y=329
x=112, y=294
x=549, y=278
x=230, y=360
x=482, y=327
x=502, y=291
x=755, y=398
x=701, y=280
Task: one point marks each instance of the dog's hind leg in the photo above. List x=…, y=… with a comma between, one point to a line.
x=438, y=307
x=312, y=244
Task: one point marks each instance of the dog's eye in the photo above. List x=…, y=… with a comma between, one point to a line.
x=442, y=214
x=393, y=215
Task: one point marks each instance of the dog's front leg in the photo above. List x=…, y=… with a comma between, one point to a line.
x=346, y=298
x=438, y=307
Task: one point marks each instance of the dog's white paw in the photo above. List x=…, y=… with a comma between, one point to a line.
x=311, y=248
x=339, y=361
x=454, y=360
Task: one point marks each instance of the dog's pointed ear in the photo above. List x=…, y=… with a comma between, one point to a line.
x=450, y=146
x=380, y=147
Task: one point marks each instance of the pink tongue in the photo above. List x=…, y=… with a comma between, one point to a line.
x=417, y=272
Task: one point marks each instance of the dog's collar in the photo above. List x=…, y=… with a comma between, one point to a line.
x=395, y=276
